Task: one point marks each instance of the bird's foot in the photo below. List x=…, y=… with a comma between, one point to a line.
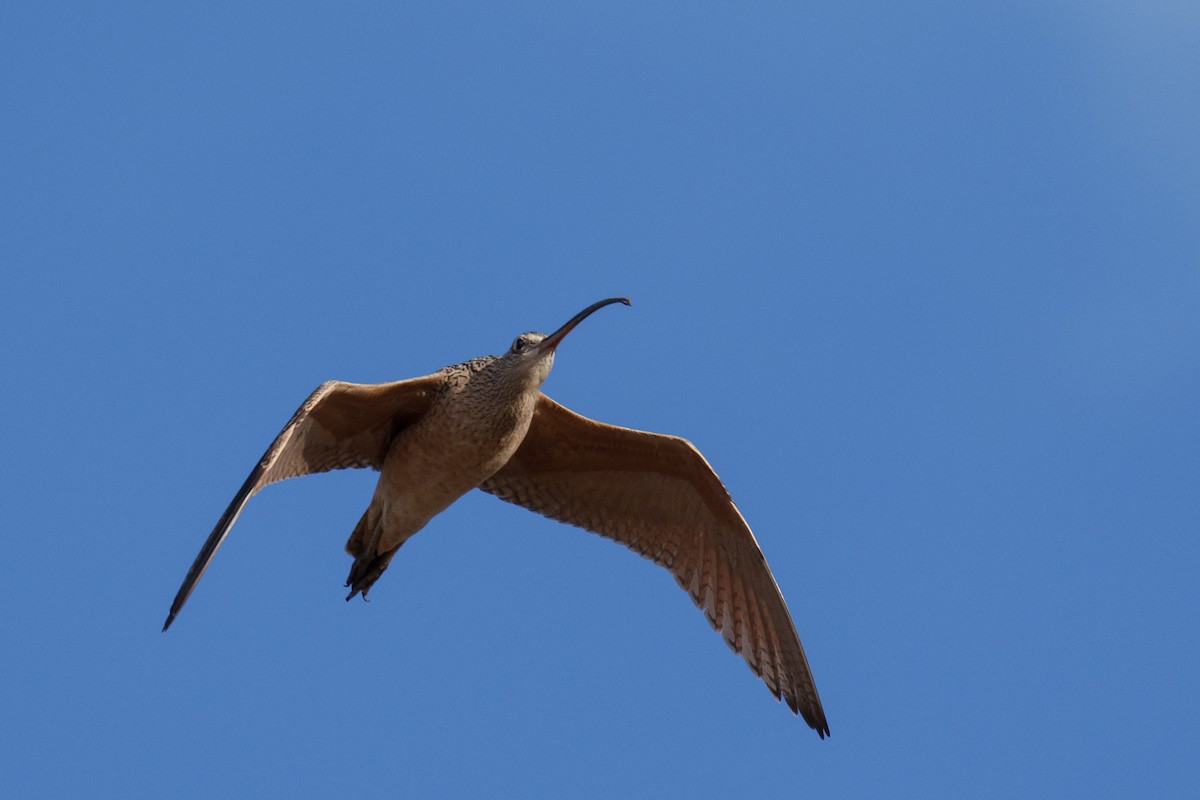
x=366, y=571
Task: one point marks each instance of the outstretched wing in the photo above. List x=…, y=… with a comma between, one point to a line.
x=658, y=496
x=340, y=425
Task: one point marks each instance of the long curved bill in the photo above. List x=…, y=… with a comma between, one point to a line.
x=551, y=341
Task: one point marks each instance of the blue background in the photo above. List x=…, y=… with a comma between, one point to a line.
x=922, y=281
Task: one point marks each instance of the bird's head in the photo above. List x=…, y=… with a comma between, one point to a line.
x=534, y=352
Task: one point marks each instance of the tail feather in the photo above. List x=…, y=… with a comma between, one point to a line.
x=357, y=542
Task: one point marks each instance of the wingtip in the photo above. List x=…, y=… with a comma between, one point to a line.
x=814, y=716
x=818, y=723
x=170, y=619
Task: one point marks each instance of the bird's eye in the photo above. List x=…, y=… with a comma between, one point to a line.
x=518, y=345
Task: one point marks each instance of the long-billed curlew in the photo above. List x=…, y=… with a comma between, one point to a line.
x=486, y=424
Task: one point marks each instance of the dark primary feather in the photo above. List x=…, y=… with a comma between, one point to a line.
x=657, y=495
x=340, y=425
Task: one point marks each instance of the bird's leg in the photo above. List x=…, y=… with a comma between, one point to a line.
x=367, y=570
x=363, y=544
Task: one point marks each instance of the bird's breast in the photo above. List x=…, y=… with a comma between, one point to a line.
x=459, y=444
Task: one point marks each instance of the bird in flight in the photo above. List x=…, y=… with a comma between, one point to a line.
x=485, y=424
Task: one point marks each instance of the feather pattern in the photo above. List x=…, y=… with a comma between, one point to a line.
x=657, y=495
x=340, y=425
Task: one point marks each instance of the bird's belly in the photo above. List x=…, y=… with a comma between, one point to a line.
x=429, y=466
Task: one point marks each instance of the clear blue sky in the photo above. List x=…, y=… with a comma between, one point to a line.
x=922, y=280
